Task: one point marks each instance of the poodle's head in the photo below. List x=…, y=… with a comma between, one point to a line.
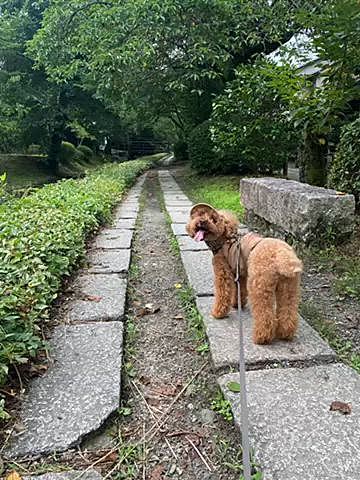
x=208, y=224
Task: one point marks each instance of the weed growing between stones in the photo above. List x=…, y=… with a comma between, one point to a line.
x=232, y=458
x=194, y=319
x=222, y=406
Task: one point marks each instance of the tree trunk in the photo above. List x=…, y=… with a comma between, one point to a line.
x=285, y=169
x=54, y=151
x=314, y=159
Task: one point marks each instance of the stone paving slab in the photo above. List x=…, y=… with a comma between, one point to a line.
x=294, y=434
x=111, y=238
x=71, y=475
x=187, y=243
x=175, y=196
x=176, y=210
x=179, y=217
x=179, y=229
x=126, y=223
x=223, y=335
x=101, y=298
x=179, y=203
x=198, y=268
x=77, y=394
x=126, y=212
x=109, y=261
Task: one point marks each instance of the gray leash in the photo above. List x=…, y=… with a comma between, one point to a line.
x=242, y=374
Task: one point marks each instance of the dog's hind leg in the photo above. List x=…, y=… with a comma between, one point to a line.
x=287, y=303
x=224, y=286
x=262, y=299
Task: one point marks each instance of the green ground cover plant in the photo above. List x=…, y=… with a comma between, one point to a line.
x=41, y=240
x=220, y=191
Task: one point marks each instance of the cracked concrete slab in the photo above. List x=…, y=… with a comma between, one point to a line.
x=78, y=392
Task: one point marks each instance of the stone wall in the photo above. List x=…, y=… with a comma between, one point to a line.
x=297, y=210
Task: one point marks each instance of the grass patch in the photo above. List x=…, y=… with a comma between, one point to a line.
x=327, y=330
x=194, y=319
x=25, y=171
x=344, y=261
x=231, y=456
x=219, y=191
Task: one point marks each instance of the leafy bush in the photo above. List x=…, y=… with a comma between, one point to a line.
x=203, y=156
x=41, y=239
x=201, y=149
x=67, y=152
x=344, y=172
x=87, y=152
x=181, y=151
x=250, y=122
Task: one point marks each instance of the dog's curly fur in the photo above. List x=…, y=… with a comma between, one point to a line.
x=269, y=273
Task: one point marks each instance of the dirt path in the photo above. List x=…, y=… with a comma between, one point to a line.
x=161, y=358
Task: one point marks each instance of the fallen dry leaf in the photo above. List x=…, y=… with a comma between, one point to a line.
x=177, y=285
x=148, y=309
x=112, y=457
x=342, y=407
x=93, y=298
x=38, y=369
x=179, y=317
x=157, y=473
x=13, y=476
x=145, y=380
x=166, y=390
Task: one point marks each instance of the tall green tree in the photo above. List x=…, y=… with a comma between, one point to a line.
x=160, y=56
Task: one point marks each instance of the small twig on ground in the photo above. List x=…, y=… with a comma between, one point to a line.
x=144, y=454
x=7, y=439
x=155, y=427
x=199, y=454
x=19, y=377
x=154, y=417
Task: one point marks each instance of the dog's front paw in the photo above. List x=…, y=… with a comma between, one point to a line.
x=219, y=313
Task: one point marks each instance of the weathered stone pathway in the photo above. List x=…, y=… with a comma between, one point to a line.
x=294, y=434
x=291, y=386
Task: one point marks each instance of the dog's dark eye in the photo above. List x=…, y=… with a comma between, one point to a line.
x=214, y=219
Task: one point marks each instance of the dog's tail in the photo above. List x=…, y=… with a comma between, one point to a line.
x=289, y=265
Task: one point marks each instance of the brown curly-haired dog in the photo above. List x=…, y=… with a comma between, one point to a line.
x=269, y=273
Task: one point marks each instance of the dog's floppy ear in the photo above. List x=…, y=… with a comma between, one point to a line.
x=204, y=207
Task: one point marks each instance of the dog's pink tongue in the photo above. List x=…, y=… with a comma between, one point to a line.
x=199, y=237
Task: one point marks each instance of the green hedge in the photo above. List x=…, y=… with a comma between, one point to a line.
x=86, y=151
x=345, y=169
x=41, y=240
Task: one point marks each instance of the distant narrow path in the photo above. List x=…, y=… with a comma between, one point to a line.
x=162, y=359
